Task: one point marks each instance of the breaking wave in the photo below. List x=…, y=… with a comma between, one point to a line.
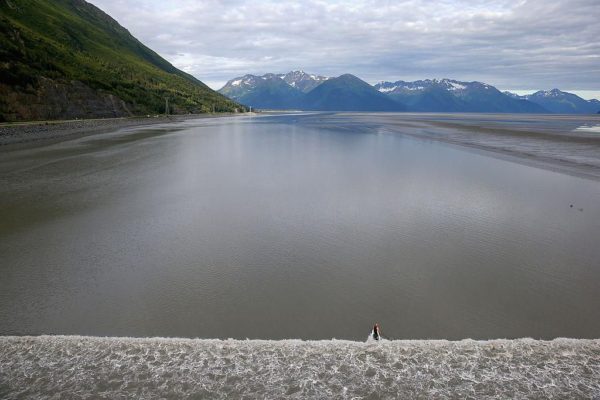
x=84, y=367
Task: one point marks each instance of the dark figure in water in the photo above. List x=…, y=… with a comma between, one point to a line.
x=376, y=333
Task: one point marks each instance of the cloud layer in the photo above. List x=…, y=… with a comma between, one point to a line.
x=510, y=44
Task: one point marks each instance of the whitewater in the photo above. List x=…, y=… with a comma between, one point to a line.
x=96, y=367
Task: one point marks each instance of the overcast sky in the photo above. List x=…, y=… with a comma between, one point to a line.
x=521, y=45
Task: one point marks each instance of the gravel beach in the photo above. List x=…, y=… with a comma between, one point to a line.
x=48, y=131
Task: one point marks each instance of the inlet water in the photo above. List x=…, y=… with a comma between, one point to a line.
x=272, y=228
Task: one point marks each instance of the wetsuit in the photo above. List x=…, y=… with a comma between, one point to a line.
x=376, y=333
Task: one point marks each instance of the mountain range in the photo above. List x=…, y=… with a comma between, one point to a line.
x=348, y=93
x=448, y=95
x=300, y=90
x=560, y=102
x=64, y=59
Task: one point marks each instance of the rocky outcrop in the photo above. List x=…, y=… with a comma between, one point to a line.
x=51, y=99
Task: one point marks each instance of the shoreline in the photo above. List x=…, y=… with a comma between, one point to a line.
x=585, y=171
x=12, y=339
x=551, y=148
x=552, y=142
x=75, y=366
x=548, y=148
x=45, y=132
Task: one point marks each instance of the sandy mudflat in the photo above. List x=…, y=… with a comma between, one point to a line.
x=46, y=131
x=88, y=367
x=565, y=143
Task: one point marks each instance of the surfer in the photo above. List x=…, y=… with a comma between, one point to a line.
x=376, y=332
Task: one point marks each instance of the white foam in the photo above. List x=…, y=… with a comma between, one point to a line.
x=79, y=367
x=588, y=128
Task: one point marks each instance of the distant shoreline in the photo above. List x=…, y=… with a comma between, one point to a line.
x=554, y=148
x=75, y=367
x=550, y=150
x=551, y=142
x=43, y=132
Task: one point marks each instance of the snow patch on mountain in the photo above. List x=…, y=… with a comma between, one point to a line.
x=456, y=86
x=387, y=89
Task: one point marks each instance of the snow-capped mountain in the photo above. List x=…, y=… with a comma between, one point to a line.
x=561, y=102
x=303, y=81
x=300, y=90
x=349, y=93
x=448, y=95
x=276, y=91
x=266, y=91
x=448, y=84
x=240, y=85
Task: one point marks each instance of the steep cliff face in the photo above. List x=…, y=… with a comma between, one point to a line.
x=51, y=99
x=68, y=59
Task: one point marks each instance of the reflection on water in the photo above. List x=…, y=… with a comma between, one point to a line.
x=265, y=228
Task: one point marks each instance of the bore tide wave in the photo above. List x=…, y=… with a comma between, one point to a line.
x=82, y=367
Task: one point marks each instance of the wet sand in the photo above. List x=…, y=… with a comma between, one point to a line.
x=46, y=132
x=563, y=143
x=91, y=367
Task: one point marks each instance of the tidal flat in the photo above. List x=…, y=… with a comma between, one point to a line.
x=565, y=143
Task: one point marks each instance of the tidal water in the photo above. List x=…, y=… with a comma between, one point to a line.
x=76, y=367
x=267, y=227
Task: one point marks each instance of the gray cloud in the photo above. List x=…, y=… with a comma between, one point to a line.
x=510, y=44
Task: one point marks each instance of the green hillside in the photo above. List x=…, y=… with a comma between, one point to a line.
x=67, y=59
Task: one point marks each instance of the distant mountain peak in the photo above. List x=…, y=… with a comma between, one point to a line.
x=349, y=93
x=561, y=102
x=303, y=81
x=550, y=93
x=294, y=81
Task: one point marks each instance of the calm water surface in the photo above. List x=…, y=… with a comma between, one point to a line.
x=268, y=228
